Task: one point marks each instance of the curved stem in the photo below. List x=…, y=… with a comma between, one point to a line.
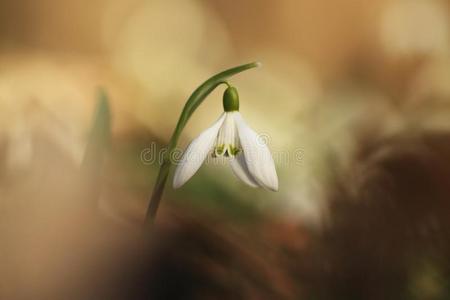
x=226, y=83
x=197, y=97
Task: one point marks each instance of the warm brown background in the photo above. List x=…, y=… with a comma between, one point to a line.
x=353, y=97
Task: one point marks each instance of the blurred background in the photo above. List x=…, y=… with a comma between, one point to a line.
x=353, y=99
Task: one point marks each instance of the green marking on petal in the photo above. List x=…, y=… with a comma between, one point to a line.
x=234, y=150
x=225, y=150
x=219, y=150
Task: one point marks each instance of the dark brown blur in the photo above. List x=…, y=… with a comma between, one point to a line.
x=353, y=98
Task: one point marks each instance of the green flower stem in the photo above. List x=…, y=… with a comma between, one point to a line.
x=194, y=101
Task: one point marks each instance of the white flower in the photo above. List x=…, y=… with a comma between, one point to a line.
x=232, y=138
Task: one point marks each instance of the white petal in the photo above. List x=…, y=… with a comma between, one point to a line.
x=257, y=155
x=196, y=153
x=240, y=169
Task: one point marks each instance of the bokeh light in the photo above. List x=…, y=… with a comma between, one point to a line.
x=353, y=99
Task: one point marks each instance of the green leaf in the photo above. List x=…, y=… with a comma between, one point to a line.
x=94, y=156
x=99, y=136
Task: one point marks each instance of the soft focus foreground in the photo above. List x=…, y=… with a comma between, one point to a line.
x=353, y=99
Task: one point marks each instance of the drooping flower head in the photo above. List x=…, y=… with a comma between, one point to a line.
x=232, y=138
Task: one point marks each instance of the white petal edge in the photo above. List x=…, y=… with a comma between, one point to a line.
x=257, y=155
x=240, y=169
x=196, y=153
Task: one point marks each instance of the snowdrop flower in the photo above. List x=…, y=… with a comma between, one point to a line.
x=232, y=138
